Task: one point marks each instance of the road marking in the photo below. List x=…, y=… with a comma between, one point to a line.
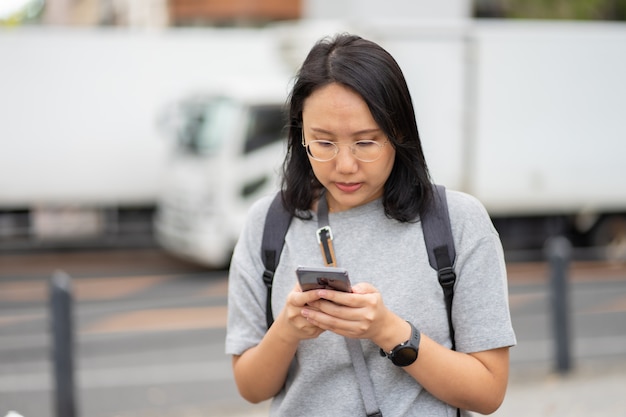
x=218, y=288
x=615, y=305
x=520, y=300
x=8, y=320
x=148, y=375
x=581, y=271
x=84, y=289
x=529, y=351
x=161, y=320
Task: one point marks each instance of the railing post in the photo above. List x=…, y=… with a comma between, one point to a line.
x=558, y=252
x=62, y=344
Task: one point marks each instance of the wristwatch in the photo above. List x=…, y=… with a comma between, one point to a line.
x=405, y=353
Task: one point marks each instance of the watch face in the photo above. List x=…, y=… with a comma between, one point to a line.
x=405, y=356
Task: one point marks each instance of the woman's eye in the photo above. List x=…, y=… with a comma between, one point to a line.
x=365, y=143
x=325, y=143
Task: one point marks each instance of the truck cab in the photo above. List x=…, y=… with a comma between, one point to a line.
x=230, y=145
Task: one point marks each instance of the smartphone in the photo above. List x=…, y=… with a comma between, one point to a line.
x=316, y=277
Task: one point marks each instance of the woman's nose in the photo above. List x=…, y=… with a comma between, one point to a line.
x=345, y=159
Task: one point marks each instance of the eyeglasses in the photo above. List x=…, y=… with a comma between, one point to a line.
x=325, y=150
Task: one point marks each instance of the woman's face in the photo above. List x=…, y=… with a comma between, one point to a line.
x=338, y=114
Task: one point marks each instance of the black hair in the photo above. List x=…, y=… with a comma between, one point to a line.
x=374, y=74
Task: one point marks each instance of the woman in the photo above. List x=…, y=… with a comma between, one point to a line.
x=353, y=141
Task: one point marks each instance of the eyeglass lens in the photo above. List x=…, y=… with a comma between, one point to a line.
x=363, y=150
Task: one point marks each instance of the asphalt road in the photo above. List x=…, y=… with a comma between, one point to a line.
x=149, y=332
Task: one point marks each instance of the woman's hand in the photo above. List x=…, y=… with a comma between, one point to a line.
x=261, y=371
x=360, y=314
x=296, y=327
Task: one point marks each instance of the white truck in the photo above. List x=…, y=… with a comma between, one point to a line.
x=82, y=155
x=526, y=116
x=231, y=143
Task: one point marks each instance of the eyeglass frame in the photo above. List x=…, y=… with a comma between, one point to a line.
x=336, y=145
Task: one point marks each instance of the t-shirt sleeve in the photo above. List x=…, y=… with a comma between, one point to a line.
x=247, y=293
x=480, y=310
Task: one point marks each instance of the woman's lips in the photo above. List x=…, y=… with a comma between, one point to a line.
x=348, y=187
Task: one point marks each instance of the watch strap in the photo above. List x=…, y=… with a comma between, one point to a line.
x=412, y=343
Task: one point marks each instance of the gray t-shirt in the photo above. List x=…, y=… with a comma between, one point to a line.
x=391, y=256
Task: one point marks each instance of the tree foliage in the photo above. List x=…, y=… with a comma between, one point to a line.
x=552, y=9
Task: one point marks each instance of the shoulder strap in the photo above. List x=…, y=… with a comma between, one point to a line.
x=277, y=223
x=440, y=247
x=441, y=252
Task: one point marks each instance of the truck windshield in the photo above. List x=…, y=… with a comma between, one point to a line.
x=209, y=125
x=266, y=125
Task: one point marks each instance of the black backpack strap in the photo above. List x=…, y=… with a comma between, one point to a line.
x=277, y=223
x=441, y=252
x=440, y=247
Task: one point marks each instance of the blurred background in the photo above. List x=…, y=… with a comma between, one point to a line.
x=135, y=134
x=127, y=122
